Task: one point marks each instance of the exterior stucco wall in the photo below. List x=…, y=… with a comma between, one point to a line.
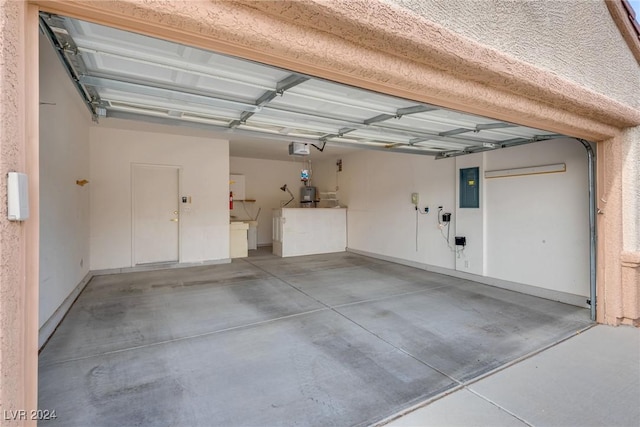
x=630, y=257
x=631, y=190
x=575, y=39
x=12, y=248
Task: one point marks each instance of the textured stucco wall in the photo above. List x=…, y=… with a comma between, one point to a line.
x=631, y=190
x=630, y=257
x=12, y=296
x=575, y=39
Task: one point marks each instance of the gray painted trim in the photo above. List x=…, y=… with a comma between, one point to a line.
x=563, y=297
x=49, y=327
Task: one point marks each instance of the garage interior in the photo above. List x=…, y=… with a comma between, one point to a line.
x=350, y=337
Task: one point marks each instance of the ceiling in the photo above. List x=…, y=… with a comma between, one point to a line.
x=259, y=108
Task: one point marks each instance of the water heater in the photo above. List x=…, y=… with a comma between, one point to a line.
x=307, y=194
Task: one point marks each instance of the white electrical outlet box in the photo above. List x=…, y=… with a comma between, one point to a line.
x=414, y=198
x=17, y=196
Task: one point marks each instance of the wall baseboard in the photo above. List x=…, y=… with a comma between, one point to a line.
x=49, y=327
x=549, y=294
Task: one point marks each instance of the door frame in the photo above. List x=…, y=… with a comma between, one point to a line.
x=133, y=213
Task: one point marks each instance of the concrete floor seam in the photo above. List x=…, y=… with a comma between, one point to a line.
x=158, y=343
x=302, y=273
x=461, y=384
x=417, y=406
x=368, y=331
x=400, y=349
x=466, y=384
x=500, y=407
x=186, y=285
x=349, y=304
x=525, y=357
x=352, y=343
x=284, y=279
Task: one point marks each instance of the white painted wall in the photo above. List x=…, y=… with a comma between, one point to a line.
x=64, y=206
x=204, y=163
x=263, y=179
x=531, y=230
x=377, y=189
x=537, y=226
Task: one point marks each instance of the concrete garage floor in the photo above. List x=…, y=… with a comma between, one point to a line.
x=337, y=339
x=592, y=379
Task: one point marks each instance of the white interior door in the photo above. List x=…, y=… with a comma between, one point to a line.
x=155, y=214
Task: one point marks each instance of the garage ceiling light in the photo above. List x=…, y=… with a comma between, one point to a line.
x=126, y=75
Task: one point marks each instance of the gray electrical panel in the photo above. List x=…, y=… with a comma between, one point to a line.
x=470, y=188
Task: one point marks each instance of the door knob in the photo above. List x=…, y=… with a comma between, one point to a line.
x=175, y=212
x=174, y=219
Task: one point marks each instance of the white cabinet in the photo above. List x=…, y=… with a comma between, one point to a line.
x=238, y=244
x=252, y=235
x=303, y=231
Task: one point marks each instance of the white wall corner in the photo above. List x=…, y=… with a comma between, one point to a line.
x=49, y=326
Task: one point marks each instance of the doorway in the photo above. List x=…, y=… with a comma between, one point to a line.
x=155, y=214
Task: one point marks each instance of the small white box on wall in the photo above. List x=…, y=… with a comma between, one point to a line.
x=17, y=196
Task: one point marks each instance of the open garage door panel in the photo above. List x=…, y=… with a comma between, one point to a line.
x=126, y=75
